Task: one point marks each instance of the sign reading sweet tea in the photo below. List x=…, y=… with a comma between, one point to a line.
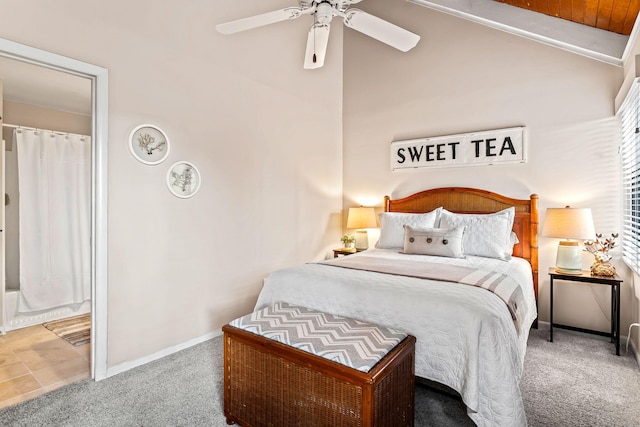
x=469, y=149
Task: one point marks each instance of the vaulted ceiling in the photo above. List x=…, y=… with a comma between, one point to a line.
x=596, y=28
x=617, y=16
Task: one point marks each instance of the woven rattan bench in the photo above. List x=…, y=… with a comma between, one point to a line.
x=287, y=365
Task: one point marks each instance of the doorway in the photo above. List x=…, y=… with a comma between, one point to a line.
x=99, y=118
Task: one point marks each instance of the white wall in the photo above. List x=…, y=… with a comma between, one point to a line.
x=265, y=134
x=463, y=77
x=267, y=138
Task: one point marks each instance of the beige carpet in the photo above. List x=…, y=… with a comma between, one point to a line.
x=575, y=381
x=75, y=330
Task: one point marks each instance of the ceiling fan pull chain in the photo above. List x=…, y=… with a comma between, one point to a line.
x=314, y=37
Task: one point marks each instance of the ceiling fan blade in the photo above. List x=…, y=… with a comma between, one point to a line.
x=260, y=20
x=381, y=30
x=316, y=46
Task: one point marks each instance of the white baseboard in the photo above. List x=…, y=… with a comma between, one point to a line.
x=634, y=350
x=118, y=369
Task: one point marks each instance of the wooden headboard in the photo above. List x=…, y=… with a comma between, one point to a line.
x=471, y=200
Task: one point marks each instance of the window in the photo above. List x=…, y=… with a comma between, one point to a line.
x=629, y=115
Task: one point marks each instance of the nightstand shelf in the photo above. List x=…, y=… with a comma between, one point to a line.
x=585, y=277
x=343, y=251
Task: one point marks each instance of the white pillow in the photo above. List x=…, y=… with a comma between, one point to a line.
x=446, y=242
x=486, y=235
x=392, y=226
x=513, y=240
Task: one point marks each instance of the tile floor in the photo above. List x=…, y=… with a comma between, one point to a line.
x=34, y=361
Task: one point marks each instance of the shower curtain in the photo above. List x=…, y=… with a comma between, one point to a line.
x=54, y=185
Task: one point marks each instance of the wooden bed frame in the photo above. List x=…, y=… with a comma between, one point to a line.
x=471, y=200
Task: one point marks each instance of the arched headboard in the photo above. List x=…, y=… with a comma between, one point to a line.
x=471, y=200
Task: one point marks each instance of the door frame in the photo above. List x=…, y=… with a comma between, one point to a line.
x=99, y=176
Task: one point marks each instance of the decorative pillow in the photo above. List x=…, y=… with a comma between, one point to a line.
x=486, y=235
x=446, y=242
x=391, y=226
x=513, y=240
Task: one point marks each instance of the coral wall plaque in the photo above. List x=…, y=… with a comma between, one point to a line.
x=183, y=179
x=149, y=144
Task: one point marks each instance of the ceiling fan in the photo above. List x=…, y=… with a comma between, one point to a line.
x=323, y=12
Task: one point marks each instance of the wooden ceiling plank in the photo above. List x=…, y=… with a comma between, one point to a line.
x=554, y=8
x=517, y=3
x=526, y=4
x=618, y=15
x=577, y=10
x=543, y=7
x=604, y=14
x=591, y=12
x=564, y=9
x=533, y=5
x=630, y=19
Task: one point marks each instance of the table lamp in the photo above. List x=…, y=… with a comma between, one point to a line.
x=570, y=224
x=361, y=218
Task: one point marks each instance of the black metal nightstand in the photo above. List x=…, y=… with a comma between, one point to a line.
x=586, y=277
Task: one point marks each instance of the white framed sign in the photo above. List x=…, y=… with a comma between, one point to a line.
x=469, y=149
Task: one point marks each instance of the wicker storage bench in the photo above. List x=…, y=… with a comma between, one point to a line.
x=270, y=382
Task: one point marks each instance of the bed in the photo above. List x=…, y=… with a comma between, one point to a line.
x=468, y=339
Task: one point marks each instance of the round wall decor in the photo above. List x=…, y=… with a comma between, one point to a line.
x=149, y=144
x=183, y=179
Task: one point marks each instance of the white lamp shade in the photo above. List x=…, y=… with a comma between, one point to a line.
x=569, y=223
x=361, y=218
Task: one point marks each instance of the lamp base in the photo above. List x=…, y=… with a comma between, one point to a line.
x=362, y=240
x=569, y=258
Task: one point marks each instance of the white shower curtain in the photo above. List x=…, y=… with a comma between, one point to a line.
x=54, y=184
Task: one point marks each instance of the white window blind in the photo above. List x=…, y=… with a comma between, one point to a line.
x=629, y=115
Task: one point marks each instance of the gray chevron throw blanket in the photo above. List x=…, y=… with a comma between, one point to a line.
x=358, y=345
x=500, y=284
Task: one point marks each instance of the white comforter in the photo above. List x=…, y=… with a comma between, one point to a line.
x=466, y=338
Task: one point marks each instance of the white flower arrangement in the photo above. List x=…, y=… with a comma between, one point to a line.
x=347, y=238
x=600, y=250
x=600, y=247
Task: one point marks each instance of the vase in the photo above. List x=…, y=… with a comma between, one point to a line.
x=603, y=269
x=349, y=245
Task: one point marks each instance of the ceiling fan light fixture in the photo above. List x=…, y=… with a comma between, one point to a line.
x=324, y=13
